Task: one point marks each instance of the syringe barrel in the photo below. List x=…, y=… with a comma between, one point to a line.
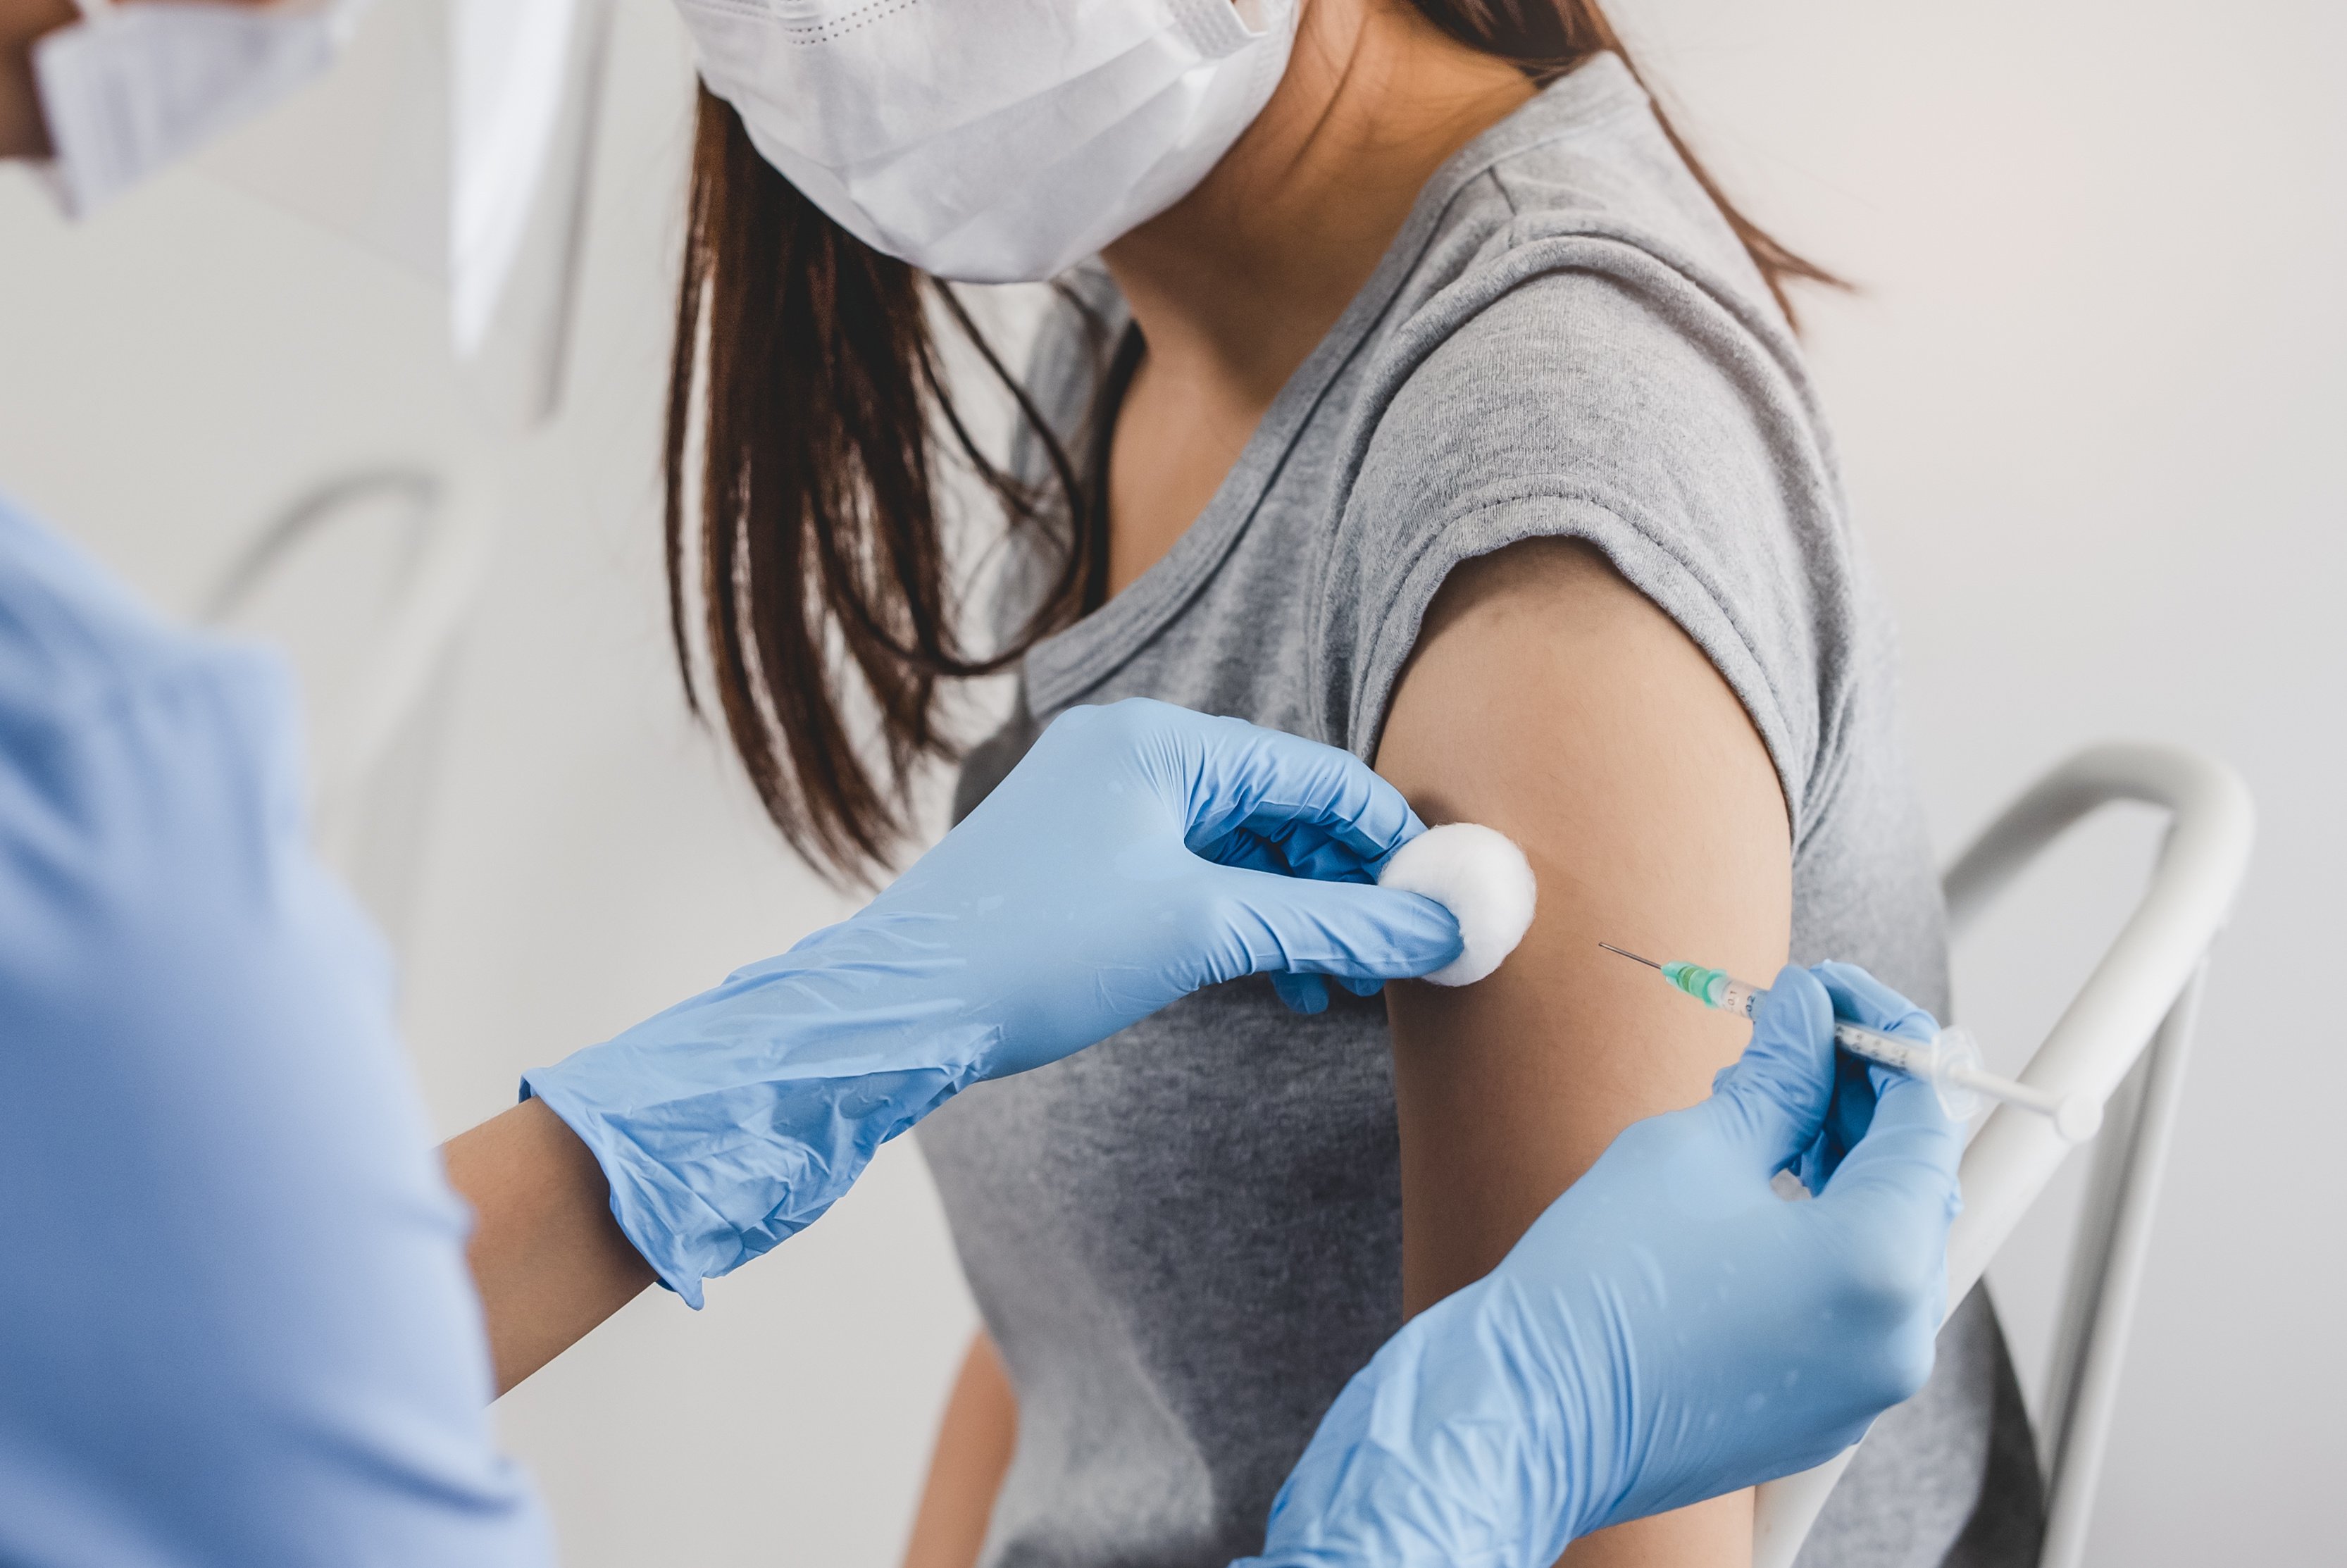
x=1715, y=988
x=1940, y=1063
x=1718, y=989
x=1889, y=1049
x=1928, y=1061
x=1950, y=1064
x=1737, y=997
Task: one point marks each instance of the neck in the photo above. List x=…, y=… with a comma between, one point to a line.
x=1234, y=284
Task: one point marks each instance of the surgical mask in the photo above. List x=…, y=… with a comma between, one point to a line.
x=993, y=141
x=131, y=88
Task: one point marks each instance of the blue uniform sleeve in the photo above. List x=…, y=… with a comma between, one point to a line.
x=236, y=1324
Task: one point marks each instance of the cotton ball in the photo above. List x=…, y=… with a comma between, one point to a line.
x=1483, y=878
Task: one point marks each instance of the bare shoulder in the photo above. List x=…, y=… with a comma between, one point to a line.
x=1548, y=699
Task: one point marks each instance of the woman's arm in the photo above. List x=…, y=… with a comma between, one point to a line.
x=975, y=1439
x=1549, y=700
x=549, y=1261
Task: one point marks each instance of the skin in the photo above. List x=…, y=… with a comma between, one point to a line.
x=1546, y=698
x=22, y=23
x=1236, y=284
x=1615, y=755
x=547, y=1259
x=967, y=1466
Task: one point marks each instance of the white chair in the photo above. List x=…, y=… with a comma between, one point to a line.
x=2124, y=1039
x=375, y=746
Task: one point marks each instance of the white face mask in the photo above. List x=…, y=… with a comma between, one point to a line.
x=131, y=88
x=993, y=141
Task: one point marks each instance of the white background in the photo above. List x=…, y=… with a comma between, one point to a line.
x=2093, y=410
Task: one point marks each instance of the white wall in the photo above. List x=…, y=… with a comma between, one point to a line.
x=2091, y=406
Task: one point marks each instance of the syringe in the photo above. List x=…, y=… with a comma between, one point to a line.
x=1950, y=1064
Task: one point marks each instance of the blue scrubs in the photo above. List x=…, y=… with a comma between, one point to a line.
x=235, y=1322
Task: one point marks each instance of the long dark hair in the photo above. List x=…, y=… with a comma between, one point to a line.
x=806, y=377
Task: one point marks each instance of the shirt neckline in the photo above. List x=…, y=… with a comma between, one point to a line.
x=1064, y=666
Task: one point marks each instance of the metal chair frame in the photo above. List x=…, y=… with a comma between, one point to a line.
x=2125, y=1038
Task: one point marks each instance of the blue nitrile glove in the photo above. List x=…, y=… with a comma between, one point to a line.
x=1669, y=1330
x=1138, y=853
x=1861, y=998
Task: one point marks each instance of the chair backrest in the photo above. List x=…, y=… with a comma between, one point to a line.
x=2136, y=1006
x=373, y=749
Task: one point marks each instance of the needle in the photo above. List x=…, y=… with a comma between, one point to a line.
x=1950, y=1064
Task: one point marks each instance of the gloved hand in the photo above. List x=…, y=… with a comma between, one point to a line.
x=1669, y=1330
x=1861, y=998
x=1138, y=853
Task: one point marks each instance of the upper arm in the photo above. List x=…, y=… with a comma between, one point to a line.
x=1549, y=700
x=977, y=1438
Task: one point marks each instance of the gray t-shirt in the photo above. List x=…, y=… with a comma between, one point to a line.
x=1185, y=1239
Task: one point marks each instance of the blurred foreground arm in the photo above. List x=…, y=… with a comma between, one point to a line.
x=236, y=1325
x=25, y=122
x=1549, y=699
x=1669, y=1330
x=23, y=132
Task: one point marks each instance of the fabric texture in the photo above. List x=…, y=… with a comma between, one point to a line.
x=236, y=1325
x=1565, y=339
